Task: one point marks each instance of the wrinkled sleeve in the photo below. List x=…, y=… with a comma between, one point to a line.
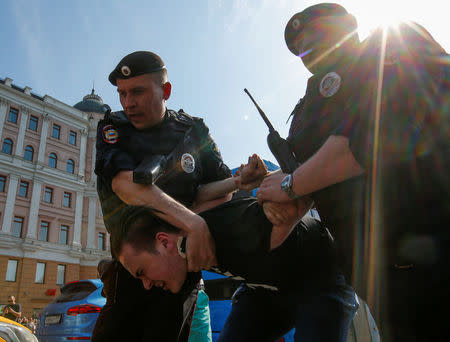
x=355, y=116
x=110, y=157
x=211, y=160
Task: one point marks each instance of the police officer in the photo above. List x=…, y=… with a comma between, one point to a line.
x=375, y=175
x=146, y=129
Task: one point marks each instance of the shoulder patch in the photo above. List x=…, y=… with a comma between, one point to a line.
x=110, y=134
x=330, y=84
x=181, y=117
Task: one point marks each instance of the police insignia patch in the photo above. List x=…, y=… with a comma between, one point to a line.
x=187, y=163
x=330, y=84
x=125, y=70
x=110, y=134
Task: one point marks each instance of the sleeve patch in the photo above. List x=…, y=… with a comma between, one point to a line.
x=110, y=134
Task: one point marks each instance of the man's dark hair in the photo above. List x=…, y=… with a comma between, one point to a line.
x=138, y=227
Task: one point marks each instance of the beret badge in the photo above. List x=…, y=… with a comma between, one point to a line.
x=125, y=71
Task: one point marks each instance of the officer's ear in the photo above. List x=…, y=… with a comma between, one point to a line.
x=167, y=88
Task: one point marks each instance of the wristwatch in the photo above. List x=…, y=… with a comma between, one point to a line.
x=286, y=186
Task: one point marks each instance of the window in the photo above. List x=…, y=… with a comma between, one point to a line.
x=61, y=275
x=56, y=131
x=28, y=153
x=7, y=146
x=101, y=241
x=67, y=200
x=17, y=226
x=52, y=160
x=2, y=183
x=23, y=189
x=13, y=114
x=11, y=270
x=70, y=166
x=40, y=273
x=48, y=195
x=33, y=123
x=63, y=234
x=43, y=231
x=73, y=138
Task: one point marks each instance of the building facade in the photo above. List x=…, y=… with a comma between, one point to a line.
x=51, y=227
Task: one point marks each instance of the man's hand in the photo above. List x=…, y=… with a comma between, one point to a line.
x=200, y=246
x=250, y=176
x=280, y=213
x=270, y=189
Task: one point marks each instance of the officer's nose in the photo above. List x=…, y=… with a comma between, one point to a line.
x=128, y=102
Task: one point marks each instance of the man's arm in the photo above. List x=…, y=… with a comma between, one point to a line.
x=332, y=163
x=247, y=177
x=195, y=227
x=9, y=309
x=284, y=217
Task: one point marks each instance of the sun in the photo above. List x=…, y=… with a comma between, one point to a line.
x=372, y=14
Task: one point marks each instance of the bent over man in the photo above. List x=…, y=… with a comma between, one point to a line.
x=300, y=269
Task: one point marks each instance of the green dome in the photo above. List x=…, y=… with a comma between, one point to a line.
x=92, y=103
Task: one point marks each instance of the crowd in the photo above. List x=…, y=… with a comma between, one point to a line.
x=31, y=323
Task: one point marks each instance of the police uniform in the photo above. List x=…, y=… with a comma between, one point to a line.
x=152, y=315
x=410, y=196
x=333, y=304
x=121, y=147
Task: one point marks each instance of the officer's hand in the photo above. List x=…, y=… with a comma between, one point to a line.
x=280, y=213
x=200, y=246
x=250, y=176
x=270, y=189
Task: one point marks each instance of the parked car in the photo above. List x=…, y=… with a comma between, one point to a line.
x=72, y=315
x=11, y=331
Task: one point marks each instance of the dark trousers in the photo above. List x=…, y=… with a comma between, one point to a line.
x=263, y=315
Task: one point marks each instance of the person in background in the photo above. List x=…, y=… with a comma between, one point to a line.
x=12, y=310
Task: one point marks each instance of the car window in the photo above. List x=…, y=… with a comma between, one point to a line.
x=220, y=289
x=75, y=291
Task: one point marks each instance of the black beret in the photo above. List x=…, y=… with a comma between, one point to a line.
x=135, y=64
x=299, y=20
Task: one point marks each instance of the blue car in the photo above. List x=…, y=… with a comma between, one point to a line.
x=73, y=314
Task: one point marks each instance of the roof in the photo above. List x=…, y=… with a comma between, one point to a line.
x=92, y=103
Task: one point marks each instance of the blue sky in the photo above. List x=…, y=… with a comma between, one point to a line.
x=212, y=49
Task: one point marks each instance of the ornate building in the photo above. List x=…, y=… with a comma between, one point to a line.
x=51, y=227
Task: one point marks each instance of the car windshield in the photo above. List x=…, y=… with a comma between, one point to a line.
x=75, y=291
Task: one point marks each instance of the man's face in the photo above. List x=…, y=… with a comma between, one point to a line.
x=143, y=100
x=319, y=42
x=11, y=300
x=165, y=268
